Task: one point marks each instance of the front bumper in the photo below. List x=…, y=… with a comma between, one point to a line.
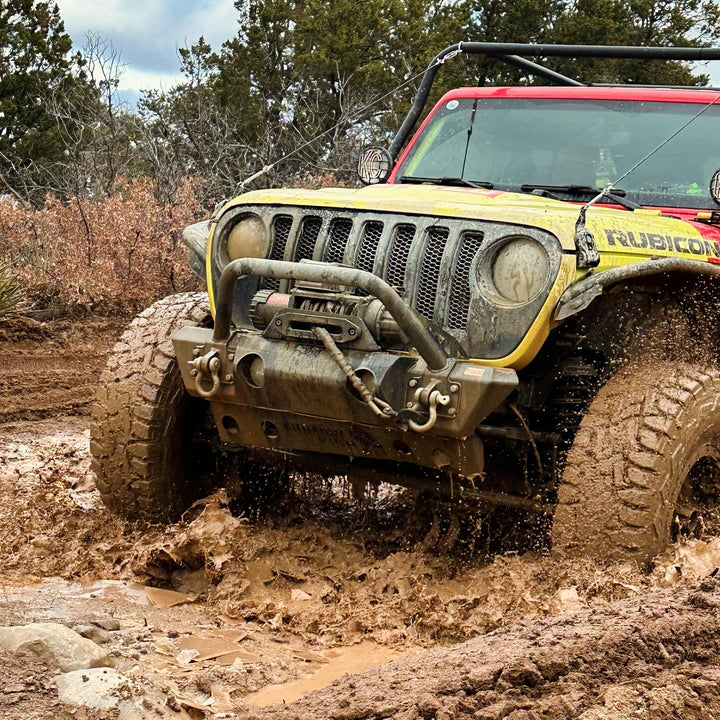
x=293, y=396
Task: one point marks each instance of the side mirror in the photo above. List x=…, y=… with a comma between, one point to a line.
x=374, y=165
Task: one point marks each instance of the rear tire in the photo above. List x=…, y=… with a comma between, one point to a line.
x=643, y=434
x=144, y=423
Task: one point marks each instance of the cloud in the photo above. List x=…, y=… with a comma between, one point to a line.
x=147, y=33
x=146, y=79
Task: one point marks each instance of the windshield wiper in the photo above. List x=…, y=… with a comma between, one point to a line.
x=461, y=182
x=617, y=195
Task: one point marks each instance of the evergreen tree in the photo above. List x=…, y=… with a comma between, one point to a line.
x=34, y=59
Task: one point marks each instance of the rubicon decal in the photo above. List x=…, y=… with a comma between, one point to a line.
x=655, y=241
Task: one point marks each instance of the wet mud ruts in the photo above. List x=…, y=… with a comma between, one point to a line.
x=648, y=657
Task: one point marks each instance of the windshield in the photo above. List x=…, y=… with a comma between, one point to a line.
x=528, y=142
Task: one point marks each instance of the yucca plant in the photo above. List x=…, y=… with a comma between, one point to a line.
x=12, y=292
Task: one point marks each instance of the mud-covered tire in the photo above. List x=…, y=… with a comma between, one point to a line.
x=643, y=432
x=142, y=417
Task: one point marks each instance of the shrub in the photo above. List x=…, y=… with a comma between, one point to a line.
x=12, y=293
x=117, y=254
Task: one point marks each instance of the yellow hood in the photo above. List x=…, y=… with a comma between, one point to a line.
x=555, y=216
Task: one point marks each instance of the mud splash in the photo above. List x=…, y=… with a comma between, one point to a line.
x=330, y=580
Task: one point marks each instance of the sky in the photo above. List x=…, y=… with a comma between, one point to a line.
x=712, y=69
x=148, y=33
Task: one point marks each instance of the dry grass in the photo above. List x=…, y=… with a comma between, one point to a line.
x=116, y=254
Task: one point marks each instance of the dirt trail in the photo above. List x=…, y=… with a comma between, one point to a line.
x=323, y=585
x=51, y=368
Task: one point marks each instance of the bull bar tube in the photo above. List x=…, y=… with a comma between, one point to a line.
x=407, y=319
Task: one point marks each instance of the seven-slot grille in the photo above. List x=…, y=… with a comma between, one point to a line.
x=416, y=255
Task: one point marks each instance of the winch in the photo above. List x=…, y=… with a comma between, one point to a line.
x=358, y=321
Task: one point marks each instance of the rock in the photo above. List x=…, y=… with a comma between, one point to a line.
x=566, y=600
x=99, y=688
x=106, y=623
x=94, y=633
x=56, y=645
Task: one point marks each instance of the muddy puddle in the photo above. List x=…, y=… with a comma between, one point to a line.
x=343, y=661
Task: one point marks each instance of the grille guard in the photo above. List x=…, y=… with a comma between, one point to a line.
x=406, y=318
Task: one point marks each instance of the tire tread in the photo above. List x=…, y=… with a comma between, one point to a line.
x=621, y=478
x=132, y=413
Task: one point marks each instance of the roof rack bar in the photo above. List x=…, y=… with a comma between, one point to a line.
x=501, y=51
x=539, y=70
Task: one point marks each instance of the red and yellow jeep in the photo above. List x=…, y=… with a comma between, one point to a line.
x=519, y=309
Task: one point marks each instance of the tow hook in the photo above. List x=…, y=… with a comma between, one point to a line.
x=428, y=397
x=206, y=367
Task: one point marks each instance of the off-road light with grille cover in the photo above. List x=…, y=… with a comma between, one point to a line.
x=715, y=187
x=248, y=238
x=520, y=269
x=374, y=165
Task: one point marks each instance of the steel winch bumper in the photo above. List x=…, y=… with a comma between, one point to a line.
x=295, y=396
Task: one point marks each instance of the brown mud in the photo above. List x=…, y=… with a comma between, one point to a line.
x=26, y=691
x=650, y=657
x=51, y=368
x=322, y=586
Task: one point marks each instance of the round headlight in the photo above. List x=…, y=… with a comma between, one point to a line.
x=520, y=270
x=248, y=238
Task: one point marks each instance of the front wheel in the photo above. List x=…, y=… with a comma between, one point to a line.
x=148, y=458
x=647, y=450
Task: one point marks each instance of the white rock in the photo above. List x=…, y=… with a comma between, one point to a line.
x=57, y=645
x=94, y=688
x=566, y=600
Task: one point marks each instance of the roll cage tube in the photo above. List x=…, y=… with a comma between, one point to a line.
x=407, y=319
x=515, y=54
